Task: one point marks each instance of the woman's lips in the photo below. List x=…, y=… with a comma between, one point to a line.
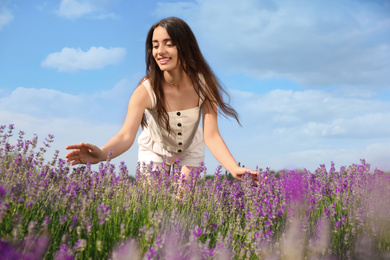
x=164, y=61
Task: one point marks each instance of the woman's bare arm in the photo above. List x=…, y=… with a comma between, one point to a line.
x=122, y=141
x=216, y=144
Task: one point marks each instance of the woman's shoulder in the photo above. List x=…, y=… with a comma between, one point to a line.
x=145, y=86
x=145, y=81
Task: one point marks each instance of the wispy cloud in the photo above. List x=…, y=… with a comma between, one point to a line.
x=92, y=117
x=50, y=104
x=6, y=17
x=78, y=8
x=337, y=42
x=284, y=128
x=316, y=113
x=66, y=131
x=71, y=60
x=281, y=128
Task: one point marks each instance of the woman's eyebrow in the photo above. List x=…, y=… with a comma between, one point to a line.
x=165, y=40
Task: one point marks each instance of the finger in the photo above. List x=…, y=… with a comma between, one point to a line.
x=73, y=146
x=75, y=162
x=88, y=146
x=72, y=158
x=72, y=154
x=253, y=172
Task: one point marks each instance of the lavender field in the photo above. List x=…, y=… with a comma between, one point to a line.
x=49, y=210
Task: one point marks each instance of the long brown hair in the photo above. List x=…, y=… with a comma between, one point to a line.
x=193, y=64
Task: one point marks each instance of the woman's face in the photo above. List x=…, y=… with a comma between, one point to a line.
x=164, y=51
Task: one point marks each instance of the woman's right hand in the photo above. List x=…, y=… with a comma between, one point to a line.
x=83, y=153
x=239, y=172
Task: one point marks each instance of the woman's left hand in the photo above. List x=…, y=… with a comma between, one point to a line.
x=239, y=172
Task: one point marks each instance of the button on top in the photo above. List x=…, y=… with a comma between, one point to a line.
x=180, y=143
x=179, y=124
x=178, y=113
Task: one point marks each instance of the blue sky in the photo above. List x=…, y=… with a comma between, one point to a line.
x=310, y=79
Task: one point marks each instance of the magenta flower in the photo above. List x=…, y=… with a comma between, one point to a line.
x=103, y=213
x=64, y=253
x=8, y=252
x=337, y=224
x=3, y=192
x=197, y=232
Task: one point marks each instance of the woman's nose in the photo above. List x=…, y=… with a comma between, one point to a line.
x=160, y=49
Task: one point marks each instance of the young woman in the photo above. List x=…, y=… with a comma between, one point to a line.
x=179, y=90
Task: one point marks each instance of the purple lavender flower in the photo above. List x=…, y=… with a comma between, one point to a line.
x=74, y=220
x=327, y=211
x=208, y=253
x=205, y=218
x=29, y=204
x=80, y=245
x=126, y=251
x=63, y=219
x=103, y=213
x=337, y=224
x=64, y=253
x=3, y=192
x=197, y=232
x=11, y=127
x=32, y=248
x=36, y=247
x=268, y=233
x=3, y=209
x=8, y=252
x=151, y=252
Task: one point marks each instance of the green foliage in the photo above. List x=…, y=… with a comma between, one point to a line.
x=92, y=214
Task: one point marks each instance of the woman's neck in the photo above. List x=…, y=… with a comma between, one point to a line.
x=176, y=78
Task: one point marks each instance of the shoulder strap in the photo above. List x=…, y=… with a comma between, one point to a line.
x=152, y=96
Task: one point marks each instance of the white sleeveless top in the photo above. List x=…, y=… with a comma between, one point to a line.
x=183, y=123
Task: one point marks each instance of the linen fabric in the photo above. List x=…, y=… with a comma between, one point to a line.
x=185, y=142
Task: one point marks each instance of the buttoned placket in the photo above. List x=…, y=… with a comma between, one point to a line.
x=179, y=136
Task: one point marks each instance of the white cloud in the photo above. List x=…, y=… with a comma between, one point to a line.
x=71, y=60
x=6, y=17
x=337, y=42
x=281, y=128
x=317, y=113
x=67, y=131
x=93, y=118
x=312, y=159
x=50, y=103
x=121, y=91
x=73, y=8
x=380, y=154
x=78, y=8
x=98, y=107
x=47, y=103
x=296, y=129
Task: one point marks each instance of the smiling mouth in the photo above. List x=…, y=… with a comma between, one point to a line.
x=164, y=61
